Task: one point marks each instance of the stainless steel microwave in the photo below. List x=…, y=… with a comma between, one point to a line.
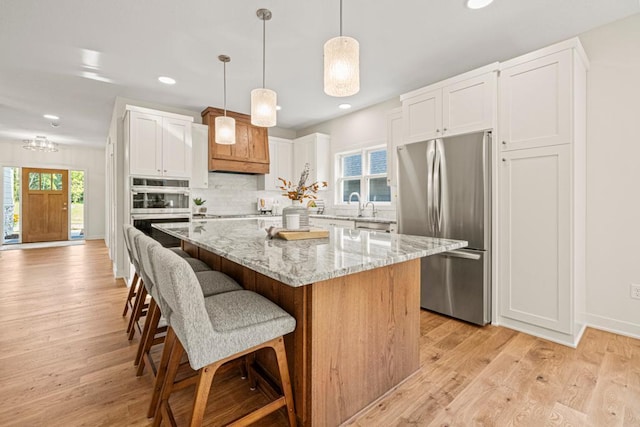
x=157, y=195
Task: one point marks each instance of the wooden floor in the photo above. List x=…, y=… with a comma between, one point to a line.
x=65, y=361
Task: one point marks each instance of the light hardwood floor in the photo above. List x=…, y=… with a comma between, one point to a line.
x=65, y=361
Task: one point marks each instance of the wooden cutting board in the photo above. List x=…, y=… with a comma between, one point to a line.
x=314, y=233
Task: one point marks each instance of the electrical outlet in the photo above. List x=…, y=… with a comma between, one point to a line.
x=635, y=291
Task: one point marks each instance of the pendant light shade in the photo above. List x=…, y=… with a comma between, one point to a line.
x=263, y=100
x=263, y=107
x=225, y=130
x=341, y=65
x=225, y=127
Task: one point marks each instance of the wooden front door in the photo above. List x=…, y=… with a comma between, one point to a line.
x=45, y=198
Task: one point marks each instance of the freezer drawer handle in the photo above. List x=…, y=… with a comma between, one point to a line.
x=460, y=254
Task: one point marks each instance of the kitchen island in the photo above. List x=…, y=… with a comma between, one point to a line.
x=355, y=297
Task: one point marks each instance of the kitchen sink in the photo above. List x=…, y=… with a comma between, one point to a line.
x=362, y=223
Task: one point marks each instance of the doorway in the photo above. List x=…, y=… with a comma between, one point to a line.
x=45, y=213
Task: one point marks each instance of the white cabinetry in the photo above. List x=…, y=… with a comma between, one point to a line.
x=200, y=156
x=463, y=104
x=394, y=139
x=535, y=101
x=315, y=150
x=158, y=143
x=541, y=167
x=280, y=164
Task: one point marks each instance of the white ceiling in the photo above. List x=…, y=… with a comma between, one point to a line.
x=73, y=57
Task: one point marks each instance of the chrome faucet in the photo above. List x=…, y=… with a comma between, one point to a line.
x=373, y=208
x=359, y=204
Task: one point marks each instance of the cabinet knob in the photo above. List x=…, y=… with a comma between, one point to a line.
x=158, y=170
x=444, y=130
x=504, y=142
x=504, y=160
x=437, y=130
x=165, y=170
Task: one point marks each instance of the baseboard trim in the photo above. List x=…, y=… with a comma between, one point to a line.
x=619, y=327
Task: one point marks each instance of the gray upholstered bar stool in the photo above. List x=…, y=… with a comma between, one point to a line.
x=141, y=297
x=133, y=289
x=211, y=282
x=213, y=331
x=135, y=282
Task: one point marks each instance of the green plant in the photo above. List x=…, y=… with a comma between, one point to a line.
x=198, y=201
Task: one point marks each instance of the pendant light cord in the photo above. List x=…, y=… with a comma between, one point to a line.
x=224, y=73
x=340, y=18
x=264, y=32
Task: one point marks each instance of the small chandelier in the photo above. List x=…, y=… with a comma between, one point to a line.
x=225, y=127
x=41, y=143
x=341, y=65
x=263, y=101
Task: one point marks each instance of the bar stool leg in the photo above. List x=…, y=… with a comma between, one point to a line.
x=131, y=294
x=162, y=373
x=281, y=356
x=137, y=312
x=163, y=408
x=148, y=334
x=205, y=378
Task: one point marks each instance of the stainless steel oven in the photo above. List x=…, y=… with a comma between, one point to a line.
x=159, y=196
x=159, y=200
x=144, y=222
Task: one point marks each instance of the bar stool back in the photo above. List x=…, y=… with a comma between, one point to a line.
x=213, y=331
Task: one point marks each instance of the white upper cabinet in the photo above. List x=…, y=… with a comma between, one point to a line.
x=394, y=139
x=280, y=166
x=200, y=156
x=159, y=143
x=459, y=105
x=535, y=101
x=314, y=149
x=424, y=116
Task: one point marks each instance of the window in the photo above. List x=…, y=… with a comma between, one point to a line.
x=363, y=172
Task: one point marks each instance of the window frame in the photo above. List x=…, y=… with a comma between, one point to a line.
x=364, y=178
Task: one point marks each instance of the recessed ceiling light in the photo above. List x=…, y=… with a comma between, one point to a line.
x=51, y=117
x=478, y=4
x=278, y=108
x=166, y=80
x=344, y=106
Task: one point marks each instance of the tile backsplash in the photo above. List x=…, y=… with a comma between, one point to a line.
x=230, y=193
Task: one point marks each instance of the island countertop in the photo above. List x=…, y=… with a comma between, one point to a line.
x=302, y=262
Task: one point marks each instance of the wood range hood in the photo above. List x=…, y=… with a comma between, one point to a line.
x=250, y=153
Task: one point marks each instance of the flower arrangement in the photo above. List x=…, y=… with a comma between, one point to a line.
x=302, y=190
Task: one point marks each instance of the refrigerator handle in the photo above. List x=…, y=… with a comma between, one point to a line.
x=437, y=185
x=461, y=254
x=430, y=154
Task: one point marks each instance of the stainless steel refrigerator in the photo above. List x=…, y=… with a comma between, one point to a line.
x=443, y=191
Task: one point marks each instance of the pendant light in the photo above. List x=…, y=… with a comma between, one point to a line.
x=341, y=65
x=263, y=101
x=225, y=126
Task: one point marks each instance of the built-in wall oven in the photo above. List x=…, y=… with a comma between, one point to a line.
x=159, y=200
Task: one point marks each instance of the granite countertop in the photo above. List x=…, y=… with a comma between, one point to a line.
x=327, y=216
x=301, y=262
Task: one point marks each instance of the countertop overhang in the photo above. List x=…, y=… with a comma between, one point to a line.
x=302, y=262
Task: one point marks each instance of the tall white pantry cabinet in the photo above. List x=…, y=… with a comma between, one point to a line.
x=541, y=196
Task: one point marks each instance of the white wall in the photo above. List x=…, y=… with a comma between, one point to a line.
x=360, y=129
x=613, y=175
x=91, y=160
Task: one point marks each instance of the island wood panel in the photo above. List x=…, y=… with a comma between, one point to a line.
x=365, y=338
x=356, y=336
x=295, y=302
